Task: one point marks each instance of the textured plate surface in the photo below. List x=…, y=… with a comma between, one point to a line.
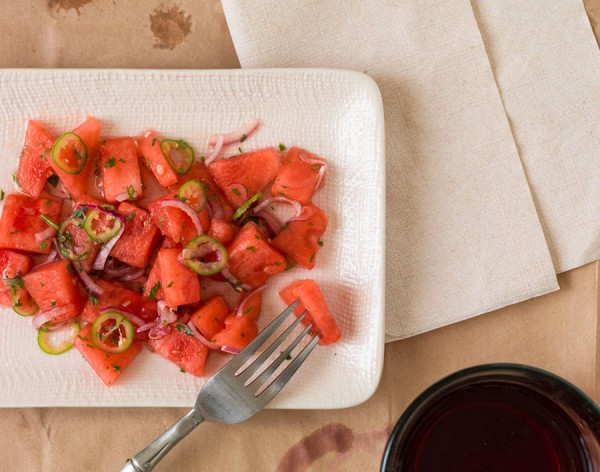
x=336, y=114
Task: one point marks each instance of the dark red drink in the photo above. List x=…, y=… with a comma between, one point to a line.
x=491, y=420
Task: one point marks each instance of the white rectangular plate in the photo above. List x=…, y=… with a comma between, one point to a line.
x=335, y=114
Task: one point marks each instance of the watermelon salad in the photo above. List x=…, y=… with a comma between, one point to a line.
x=113, y=243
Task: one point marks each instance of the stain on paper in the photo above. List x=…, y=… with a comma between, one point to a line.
x=68, y=4
x=335, y=438
x=170, y=27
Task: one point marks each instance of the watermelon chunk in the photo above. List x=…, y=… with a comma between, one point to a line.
x=137, y=242
x=121, y=298
x=155, y=160
x=210, y=317
x=223, y=230
x=311, y=299
x=21, y=221
x=297, y=178
x=12, y=264
x=238, y=332
x=252, y=259
x=179, y=283
x=214, y=197
x=181, y=349
x=301, y=240
x=120, y=170
x=34, y=163
x=253, y=170
x=77, y=184
x=173, y=222
x=54, y=288
x=108, y=366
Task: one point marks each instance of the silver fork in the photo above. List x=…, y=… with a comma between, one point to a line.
x=225, y=398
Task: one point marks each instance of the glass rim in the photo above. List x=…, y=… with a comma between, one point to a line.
x=446, y=381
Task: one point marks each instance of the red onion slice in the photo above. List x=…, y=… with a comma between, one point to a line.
x=201, y=338
x=238, y=135
x=112, y=271
x=166, y=314
x=297, y=206
x=146, y=327
x=188, y=210
x=314, y=161
x=159, y=331
x=230, y=350
x=42, y=318
x=216, y=151
x=211, y=288
x=57, y=192
x=237, y=284
x=91, y=286
x=136, y=274
x=304, y=215
x=240, y=310
x=52, y=256
x=105, y=251
x=43, y=235
x=135, y=319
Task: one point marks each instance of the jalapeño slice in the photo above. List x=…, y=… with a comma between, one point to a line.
x=58, y=340
x=70, y=153
x=179, y=154
x=194, y=194
x=22, y=302
x=205, y=255
x=101, y=226
x=112, y=332
x=241, y=210
x=72, y=242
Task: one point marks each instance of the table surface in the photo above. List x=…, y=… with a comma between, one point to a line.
x=556, y=332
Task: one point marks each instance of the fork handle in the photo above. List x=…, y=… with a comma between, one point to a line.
x=147, y=458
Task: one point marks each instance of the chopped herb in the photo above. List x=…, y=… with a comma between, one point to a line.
x=281, y=147
x=281, y=194
x=320, y=242
x=83, y=338
x=53, y=180
x=94, y=300
x=217, y=319
x=312, y=256
x=121, y=160
x=242, y=334
x=277, y=263
x=44, y=245
x=79, y=213
x=170, y=284
x=243, y=138
x=161, y=221
x=310, y=223
x=91, y=346
x=256, y=236
x=14, y=178
x=103, y=143
x=153, y=141
x=202, y=158
x=181, y=370
x=240, y=150
x=248, y=310
x=48, y=203
x=53, y=304
x=49, y=222
x=14, y=232
x=110, y=163
x=184, y=225
x=236, y=192
x=1, y=195
x=116, y=367
x=153, y=290
x=130, y=192
x=315, y=167
x=185, y=329
x=251, y=248
x=285, y=186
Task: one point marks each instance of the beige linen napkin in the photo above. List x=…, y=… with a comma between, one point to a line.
x=547, y=67
x=462, y=231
